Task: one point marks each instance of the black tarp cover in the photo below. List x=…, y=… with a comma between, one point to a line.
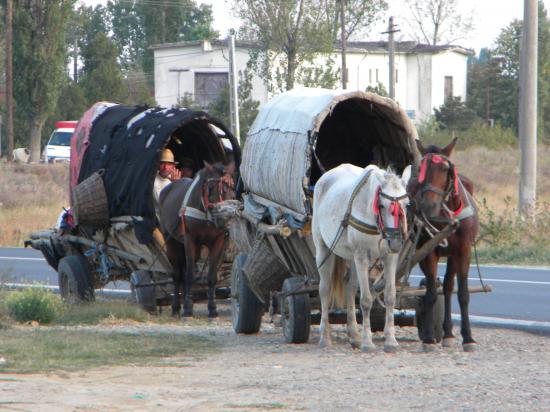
x=127, y=141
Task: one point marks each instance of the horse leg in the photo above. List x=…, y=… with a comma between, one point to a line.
x=362, y=267
x=468, y=343
x=351, y=291
x=448, y=286
x=390, y=267
x=191, y=252
x=215, y=255
x=429, y=267
x=325, y=263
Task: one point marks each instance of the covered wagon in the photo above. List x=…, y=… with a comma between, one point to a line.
x=296, y=137
x=112, y=232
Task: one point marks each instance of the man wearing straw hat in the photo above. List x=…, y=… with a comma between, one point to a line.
x=167, y=173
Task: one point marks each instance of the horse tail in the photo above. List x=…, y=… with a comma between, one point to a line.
x=337, y=289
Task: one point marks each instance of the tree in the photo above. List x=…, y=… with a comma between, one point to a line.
x=454, y=115
x=137, y=25
x=101, y=77
x=292, y=33
x=438, y=21
x=39, y=64
x=493, y=81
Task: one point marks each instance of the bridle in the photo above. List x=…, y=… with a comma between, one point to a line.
x=399, y=230
x=452, y=182
x=224, y=184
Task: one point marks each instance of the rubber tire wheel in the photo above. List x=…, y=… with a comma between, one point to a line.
x=75, y=281
x=439, y=316
x=246, y=309
x=295, y=313
x=143, y=296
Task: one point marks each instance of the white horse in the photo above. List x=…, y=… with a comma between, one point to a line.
x=359, y=216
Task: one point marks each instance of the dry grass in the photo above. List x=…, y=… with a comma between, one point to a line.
x=495, y=174
x=31, y=198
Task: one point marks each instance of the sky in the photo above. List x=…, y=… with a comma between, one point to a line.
x=490, y=17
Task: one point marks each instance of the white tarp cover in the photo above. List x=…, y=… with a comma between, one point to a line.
x=277, y=155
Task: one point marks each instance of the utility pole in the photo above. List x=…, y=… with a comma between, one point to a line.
x=9, y=78
x=528, y=110
x=343, y=37
x=233, y=88
x=391, y=53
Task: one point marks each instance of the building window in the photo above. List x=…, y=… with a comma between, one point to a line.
x=376, y=76
x=396, y=75
x=208, y=87
x=448, y=91
x=370, y=76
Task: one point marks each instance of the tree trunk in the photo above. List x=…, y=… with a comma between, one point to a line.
x=291, y=70
x=35, y=137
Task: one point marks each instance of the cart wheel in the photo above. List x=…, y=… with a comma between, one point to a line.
x=439, y=317
x=143, y=296
x=377, y=317
x=295, y=312
x=75, y=283
x=246, y=309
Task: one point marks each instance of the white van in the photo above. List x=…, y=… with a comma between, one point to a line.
x=58, y=148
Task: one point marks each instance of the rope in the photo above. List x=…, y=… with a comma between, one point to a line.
x=477, y=265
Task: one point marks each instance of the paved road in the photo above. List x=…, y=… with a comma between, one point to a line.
x=518, y=292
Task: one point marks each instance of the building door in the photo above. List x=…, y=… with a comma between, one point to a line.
x=208, y=86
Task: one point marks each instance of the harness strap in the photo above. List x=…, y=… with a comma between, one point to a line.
x=363, y=227
x=191, y=211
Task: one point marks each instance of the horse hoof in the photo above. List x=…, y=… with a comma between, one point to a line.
x=429, y=347
x=368, y=348
x=391, y=348
x=448, y=342
x=213, y=315
x=354, y=344
x=469, y=347
x=325, y=343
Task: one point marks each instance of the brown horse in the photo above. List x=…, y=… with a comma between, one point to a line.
x=189, y=221
x=441, y=196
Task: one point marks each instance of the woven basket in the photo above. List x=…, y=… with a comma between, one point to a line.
x=89, y=202
x=263, y=270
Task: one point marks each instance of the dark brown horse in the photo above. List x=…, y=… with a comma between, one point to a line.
x=189, y=221
x=441, y=196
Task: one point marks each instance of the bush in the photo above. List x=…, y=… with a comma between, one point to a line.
x=34, y=304
x=454, y=115
x=479, y=134
x=508, y=238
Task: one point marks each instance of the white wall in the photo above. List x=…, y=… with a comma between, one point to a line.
x=448, y=64
x=195, y=59
x=419, y=86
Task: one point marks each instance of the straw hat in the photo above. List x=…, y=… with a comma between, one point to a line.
x=167, y=156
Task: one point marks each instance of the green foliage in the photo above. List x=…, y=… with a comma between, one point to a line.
x=138, y=25
x=479, y=134
x=493, y=82
x=507, y=238
x=454, y=115
x=379, y=89
x=101, y=77
x=34, y=304
x=291, y=34
x=320, y=75
x=39, y=59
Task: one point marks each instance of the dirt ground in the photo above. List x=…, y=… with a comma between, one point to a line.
x=509, y=372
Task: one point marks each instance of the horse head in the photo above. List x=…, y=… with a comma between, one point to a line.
x=390, y=208
x=437, y=180
x=217, y=189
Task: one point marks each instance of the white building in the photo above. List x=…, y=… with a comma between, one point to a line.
x=424, y=75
